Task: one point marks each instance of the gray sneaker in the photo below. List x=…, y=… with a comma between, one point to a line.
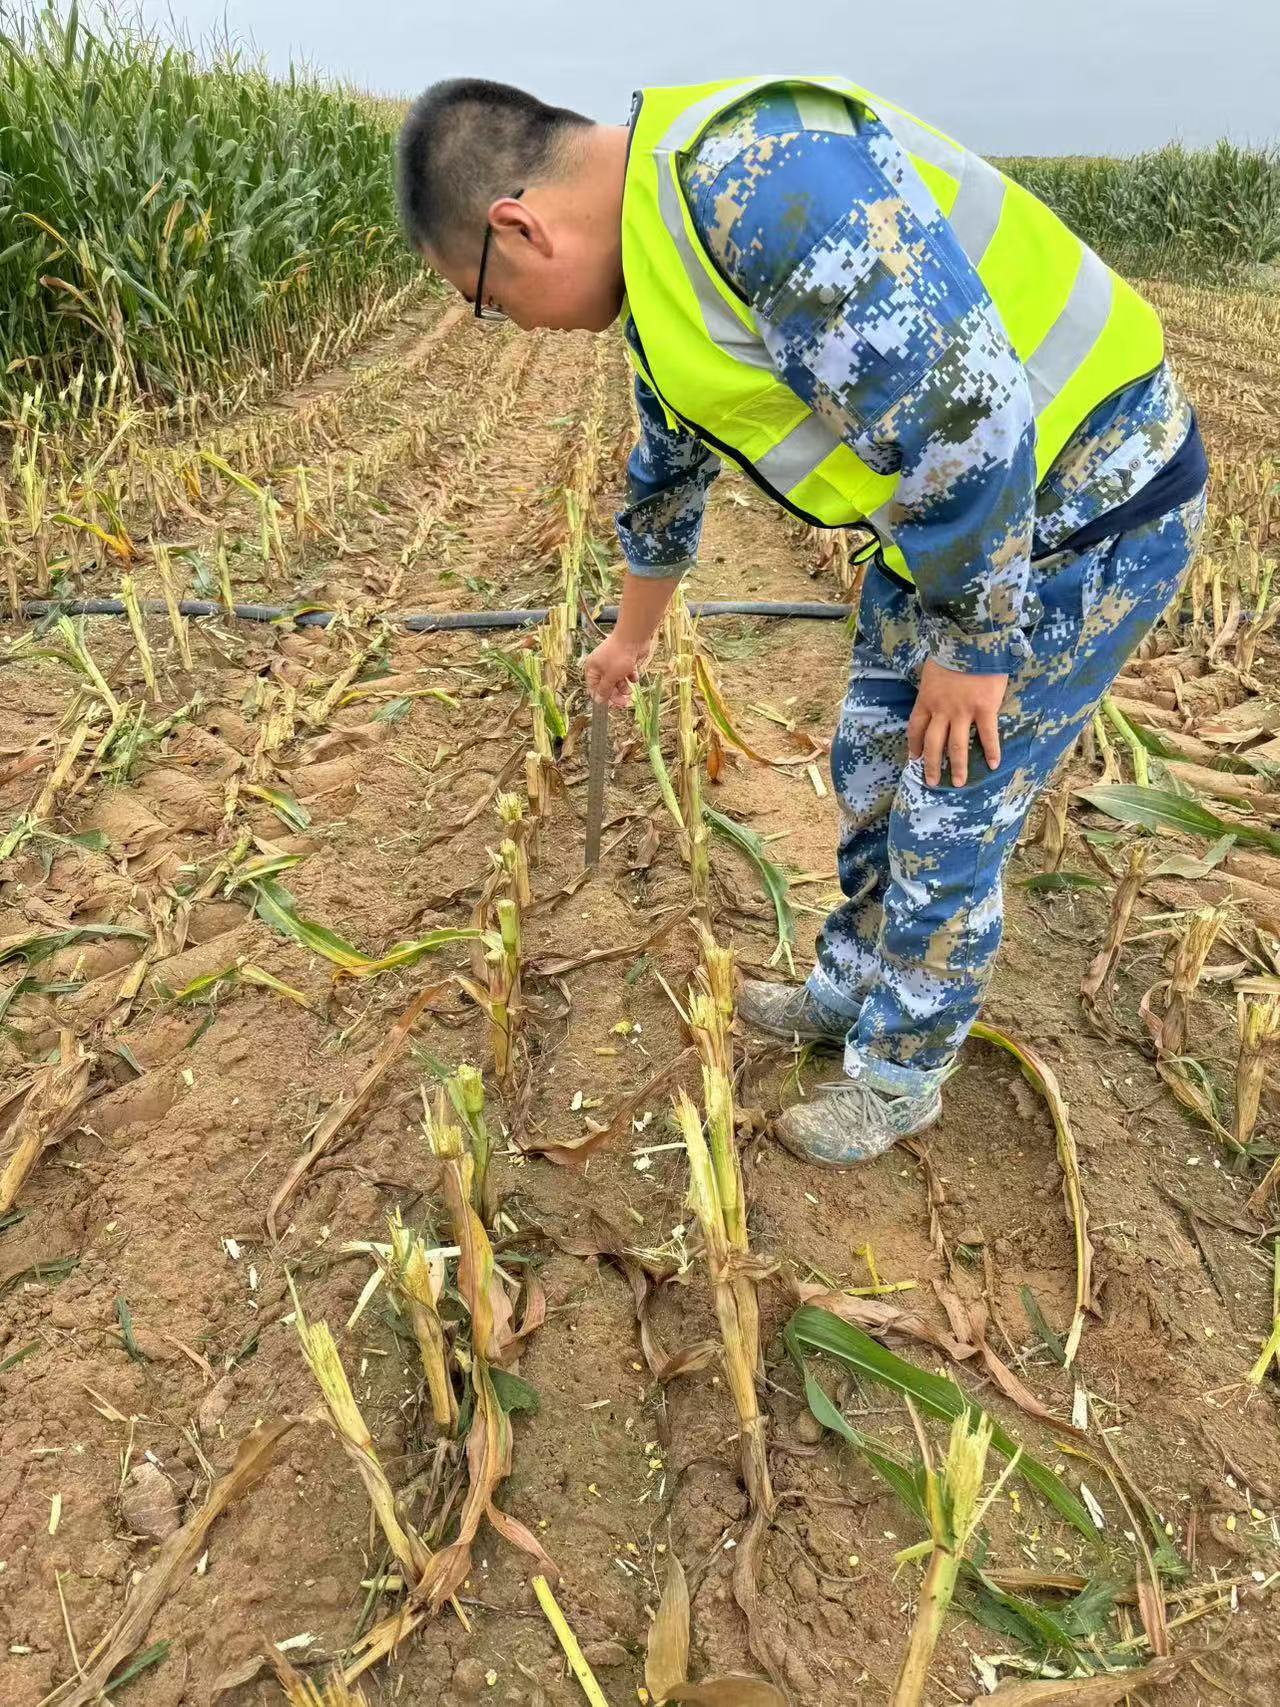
x=790, y=1011
x=848, y=1122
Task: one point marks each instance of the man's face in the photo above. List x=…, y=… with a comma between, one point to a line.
x=540, y=272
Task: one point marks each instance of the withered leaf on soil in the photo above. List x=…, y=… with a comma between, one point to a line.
x=574, y=1152
x=1036, y=1070
x=640, y=1269
x=173, y=1563
x=346, y=1107
x=666, y=1662
x=733, y=1690
x=549, y=966
x=477, y=807
x=1087, y=1691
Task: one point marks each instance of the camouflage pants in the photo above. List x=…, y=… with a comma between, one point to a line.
x=908, y=955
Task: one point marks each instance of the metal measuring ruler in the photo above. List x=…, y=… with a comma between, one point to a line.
x=597, y=772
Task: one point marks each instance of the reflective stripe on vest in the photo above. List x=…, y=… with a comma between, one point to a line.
x=1081, y=332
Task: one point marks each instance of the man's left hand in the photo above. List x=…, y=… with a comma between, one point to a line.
x=949, y=705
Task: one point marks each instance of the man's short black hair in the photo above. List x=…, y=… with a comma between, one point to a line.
x=465, y=144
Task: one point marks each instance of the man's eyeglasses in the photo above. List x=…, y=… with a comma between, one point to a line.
x=483, y=312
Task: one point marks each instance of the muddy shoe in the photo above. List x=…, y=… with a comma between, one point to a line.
x=790, y=1010
x=847, y=1122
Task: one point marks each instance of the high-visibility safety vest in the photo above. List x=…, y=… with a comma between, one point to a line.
x=1080, y=330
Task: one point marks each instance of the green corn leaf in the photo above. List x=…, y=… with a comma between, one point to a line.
x=141, y=1662
x=268, y=981
x=254, y=870
x=814, y=1329
x=276, y=906
x=647, y=704
x=407, y=953
x=1016, y=1615
x=513, y=1393
x=905, y=1480
x=35, y=946
x=290, y=811
x=1035, y=1315
x=776, y=886
x=1159, y=809
x=206, y=982
x=1089, y=1612
x=1051, y=881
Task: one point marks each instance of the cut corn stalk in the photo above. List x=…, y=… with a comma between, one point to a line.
x=505, y=1004
x=1272, y=1347
x=1103, y=966
x=177, y=622
x=302, y=1691
x=411, y=1552
x=133, y=610
x=955, y=1508
x=1194, y=944
x=45, y=801
x=723, y=1265
x=1137, y=751
x=489, y=1441
x=50, y=1108
x=511, y=812
x=419, y=1278
x=710, y=1013
x=466, y=1093
x=689, y=771
x=1258, y=1024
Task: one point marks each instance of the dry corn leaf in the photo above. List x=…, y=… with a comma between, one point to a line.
x=666, y=1662
x=173, y=1564
x=550, y=966
x=384, y=1637
x=1039, y=1074
x=1087, y=1691
x=733, y=1690
x=57, y=1094
x=347, y=1107
x=574, y=1152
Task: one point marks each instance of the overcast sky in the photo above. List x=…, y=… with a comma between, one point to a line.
x=1006, y=76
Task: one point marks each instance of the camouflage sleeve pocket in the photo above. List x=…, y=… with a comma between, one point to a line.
x=856, y=319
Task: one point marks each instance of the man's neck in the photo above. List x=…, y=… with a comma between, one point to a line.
x=594, y=191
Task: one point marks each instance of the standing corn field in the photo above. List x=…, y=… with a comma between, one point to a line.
x=172, y=226
x=1194, y=213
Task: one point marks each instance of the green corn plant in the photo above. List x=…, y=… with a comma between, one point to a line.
x=955, y=1508
x=513, y=852
x=646, y=702
x=209, y=224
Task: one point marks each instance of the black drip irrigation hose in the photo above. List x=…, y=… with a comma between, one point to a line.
x=417, y=622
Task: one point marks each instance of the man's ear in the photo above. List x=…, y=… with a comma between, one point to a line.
x=512, y=218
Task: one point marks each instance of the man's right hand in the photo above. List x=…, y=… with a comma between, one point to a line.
x=613, y=667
